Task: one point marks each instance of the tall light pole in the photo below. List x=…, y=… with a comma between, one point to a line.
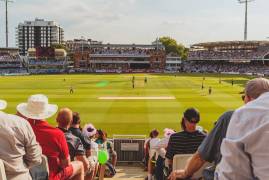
x=246, y=16
x=6, y=2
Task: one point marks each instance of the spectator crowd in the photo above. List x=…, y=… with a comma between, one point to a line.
x=123, y=51
x=225, y=67
x=236, y=148
x=71, y=151
x=229, y=54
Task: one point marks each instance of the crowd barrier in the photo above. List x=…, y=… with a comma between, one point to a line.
x=129, y=148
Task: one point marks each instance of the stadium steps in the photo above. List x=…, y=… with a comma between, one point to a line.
x=129, y=173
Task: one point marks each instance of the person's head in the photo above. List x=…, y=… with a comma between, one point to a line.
x=89, y=130
x=154, y=133
x=254, y=88
x=64, y=118
x=76, y=118
x=101, y=134
x=190, y=118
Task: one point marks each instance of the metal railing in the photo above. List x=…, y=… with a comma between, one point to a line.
x=129, y=148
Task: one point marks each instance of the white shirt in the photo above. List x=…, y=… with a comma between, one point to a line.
x=245, y=150
x=19, y=149
x=162, y=145
x=152, y=145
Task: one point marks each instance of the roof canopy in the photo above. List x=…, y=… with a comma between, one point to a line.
x=230, y=43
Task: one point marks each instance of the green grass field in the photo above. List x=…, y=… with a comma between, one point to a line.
x=129, y=116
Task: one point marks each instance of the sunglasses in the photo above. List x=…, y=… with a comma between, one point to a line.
x=243, y=97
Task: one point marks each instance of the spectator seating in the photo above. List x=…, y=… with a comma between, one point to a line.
x=180, y=160
x=2, y=171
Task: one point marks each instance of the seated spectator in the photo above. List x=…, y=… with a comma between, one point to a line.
x=146, y=154
x=245, y=149
x=101, y=140
x=103, y=143
x=19, y=149
x=87, y=143
x=52, y=140
x=153, y=141
x=188, y=140
x=76, y=131
x=76, y=149
x=208, y=151
x=161, y=150
x=89, y=131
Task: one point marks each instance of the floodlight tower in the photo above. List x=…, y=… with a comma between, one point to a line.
x=6, y=2
x=246, y=16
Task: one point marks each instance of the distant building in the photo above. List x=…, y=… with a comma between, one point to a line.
x=94, y=56
x=81, y=44
x=38, y=34
x=173, y=63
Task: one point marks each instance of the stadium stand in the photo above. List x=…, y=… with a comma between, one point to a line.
x=116, y=58
x=11, y=62
x=237, y=57
x=47, y=61
x=230, y=50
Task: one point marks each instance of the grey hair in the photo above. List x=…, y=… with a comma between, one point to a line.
x=257, y=87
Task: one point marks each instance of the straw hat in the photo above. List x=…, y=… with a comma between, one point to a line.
x=37, y=107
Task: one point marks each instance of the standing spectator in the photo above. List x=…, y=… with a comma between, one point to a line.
x=52, y=140
x=245, y=149
x=188, y=140
x=19, y=149
x=208, y=151
x=76, y=149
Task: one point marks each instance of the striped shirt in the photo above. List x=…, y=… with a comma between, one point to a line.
x=184, y=143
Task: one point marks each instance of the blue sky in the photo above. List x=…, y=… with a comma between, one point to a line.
x=141, y=21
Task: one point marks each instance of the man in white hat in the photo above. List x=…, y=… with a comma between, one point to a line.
x=52, y=140
x=19, y=149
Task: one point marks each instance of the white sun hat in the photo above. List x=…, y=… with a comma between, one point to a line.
x=3, y=104
x=37, y=107
x=89, y=130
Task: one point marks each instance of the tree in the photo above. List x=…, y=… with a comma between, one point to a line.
x=171, y=46
x=59, y=46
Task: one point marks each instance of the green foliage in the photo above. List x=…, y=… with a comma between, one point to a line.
x=174, y=48
x=59, y=46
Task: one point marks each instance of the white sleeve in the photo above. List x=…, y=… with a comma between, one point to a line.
x=235, y=164
x=234, y=160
